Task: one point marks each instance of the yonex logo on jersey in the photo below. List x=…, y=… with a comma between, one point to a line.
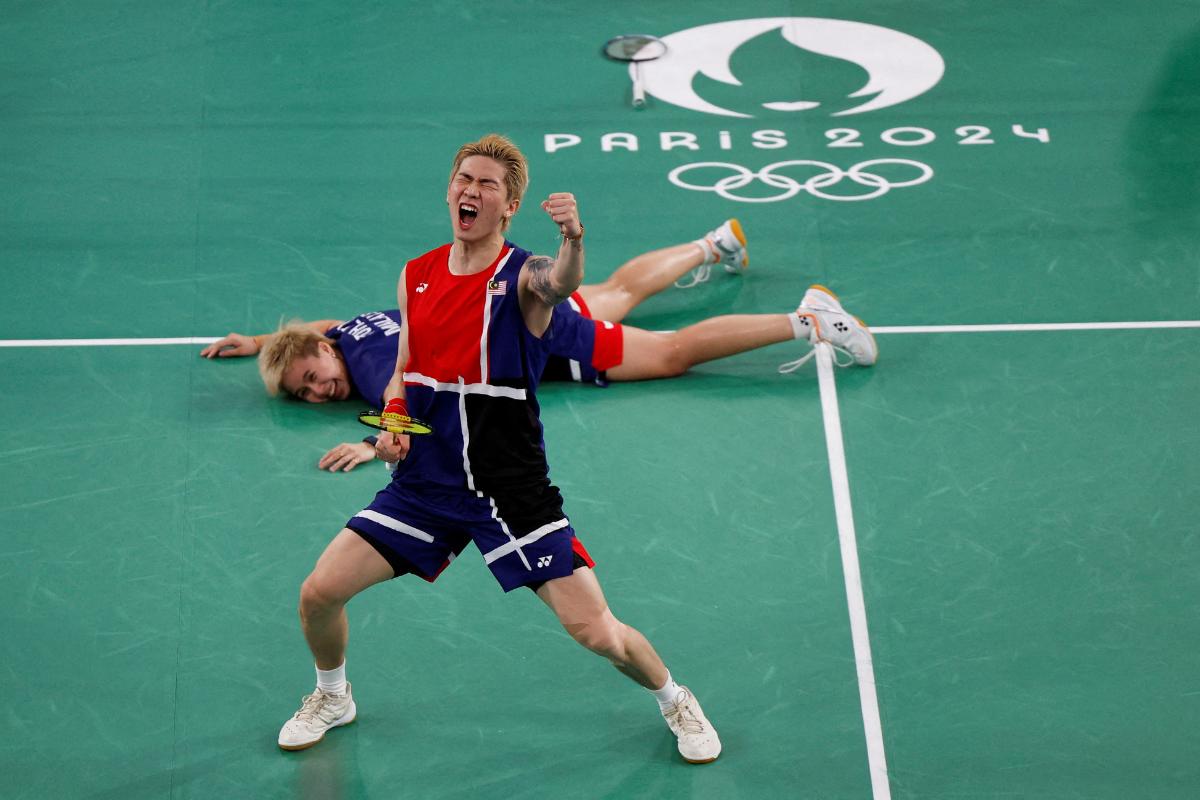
x=544, y=561
x=422, y=287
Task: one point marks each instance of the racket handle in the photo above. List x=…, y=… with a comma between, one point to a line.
x=639, y=88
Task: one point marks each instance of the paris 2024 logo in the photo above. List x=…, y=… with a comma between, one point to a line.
x=696, y=73
x=898, y=66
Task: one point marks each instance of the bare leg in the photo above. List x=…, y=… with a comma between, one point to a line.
x=347, y=566
x=579, y=603
x=638, y=279
x=664, y=355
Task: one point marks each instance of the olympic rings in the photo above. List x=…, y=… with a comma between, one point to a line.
x=831, y=175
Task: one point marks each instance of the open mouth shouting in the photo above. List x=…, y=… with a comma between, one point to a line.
x=467, y=213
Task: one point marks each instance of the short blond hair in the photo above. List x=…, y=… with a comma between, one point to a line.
x=501, y=150
x=293, y=340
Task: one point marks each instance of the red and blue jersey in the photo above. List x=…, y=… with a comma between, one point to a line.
x=472, y=374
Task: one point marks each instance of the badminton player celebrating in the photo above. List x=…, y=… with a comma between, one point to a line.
x=471, y=349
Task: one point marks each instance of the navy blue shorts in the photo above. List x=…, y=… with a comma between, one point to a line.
x=426, y=530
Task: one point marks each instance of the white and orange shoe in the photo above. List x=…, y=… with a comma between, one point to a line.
x=725, y=245
x=821, y=314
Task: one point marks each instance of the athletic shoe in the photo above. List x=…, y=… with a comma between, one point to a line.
x=318, y=713
x=726, y=244
x=729, y=243
x=698, y=740
x=824, y=319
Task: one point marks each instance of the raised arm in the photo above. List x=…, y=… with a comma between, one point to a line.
x=544, y=282
x=237, y=344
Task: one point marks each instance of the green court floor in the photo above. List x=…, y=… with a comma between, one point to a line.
x=1023, y=500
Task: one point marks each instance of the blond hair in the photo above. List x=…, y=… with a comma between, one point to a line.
x=505, y=153
x=292, y=341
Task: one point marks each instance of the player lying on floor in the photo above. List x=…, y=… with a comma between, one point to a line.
x=328, y=360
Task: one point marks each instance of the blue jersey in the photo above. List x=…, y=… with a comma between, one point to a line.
x=369, y=345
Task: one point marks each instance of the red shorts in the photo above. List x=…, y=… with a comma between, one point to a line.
x=608, y=350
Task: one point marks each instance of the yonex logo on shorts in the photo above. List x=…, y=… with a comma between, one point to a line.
x=544, y=561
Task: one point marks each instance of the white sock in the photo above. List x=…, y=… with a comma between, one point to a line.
x=800, y=328
x=710, y=252
x=332, y=681
x=667, y=694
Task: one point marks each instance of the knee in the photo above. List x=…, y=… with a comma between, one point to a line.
x=673, y=361
x=604, y=636
x=317, y=596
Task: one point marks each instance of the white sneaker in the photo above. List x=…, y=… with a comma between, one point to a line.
x=727, y=244
x=698, y=740
x=318, y=713
x=822, y=315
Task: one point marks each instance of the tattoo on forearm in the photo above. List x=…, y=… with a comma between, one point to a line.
x=539, y=279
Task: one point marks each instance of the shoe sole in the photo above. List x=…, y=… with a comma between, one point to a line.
x=702, y=760
x=291, y=748
x=839, y=308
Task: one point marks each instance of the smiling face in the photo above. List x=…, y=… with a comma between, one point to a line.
x=478, y=199
x=317, y=378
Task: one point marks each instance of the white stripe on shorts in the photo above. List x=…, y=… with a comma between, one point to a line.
x=394, y=524
x=529, y=538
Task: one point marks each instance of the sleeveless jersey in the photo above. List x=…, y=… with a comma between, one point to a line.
x=368, y=345
x=472, y=373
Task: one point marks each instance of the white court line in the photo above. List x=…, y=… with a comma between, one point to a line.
x=1038, y=326
x=884, y=330
x=867, y=699
x=103, y=342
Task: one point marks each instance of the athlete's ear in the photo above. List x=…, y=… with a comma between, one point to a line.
x=325, y=347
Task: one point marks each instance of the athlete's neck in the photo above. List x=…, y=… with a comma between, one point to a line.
x=467, y=258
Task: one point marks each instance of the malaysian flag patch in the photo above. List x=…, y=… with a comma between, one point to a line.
x=497, y=287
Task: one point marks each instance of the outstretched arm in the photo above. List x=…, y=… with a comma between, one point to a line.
x=347, y=455
x=237, y=344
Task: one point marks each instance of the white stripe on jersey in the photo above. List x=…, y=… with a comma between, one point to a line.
x=465, y=388
x=487, y=321
x=466, y=437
